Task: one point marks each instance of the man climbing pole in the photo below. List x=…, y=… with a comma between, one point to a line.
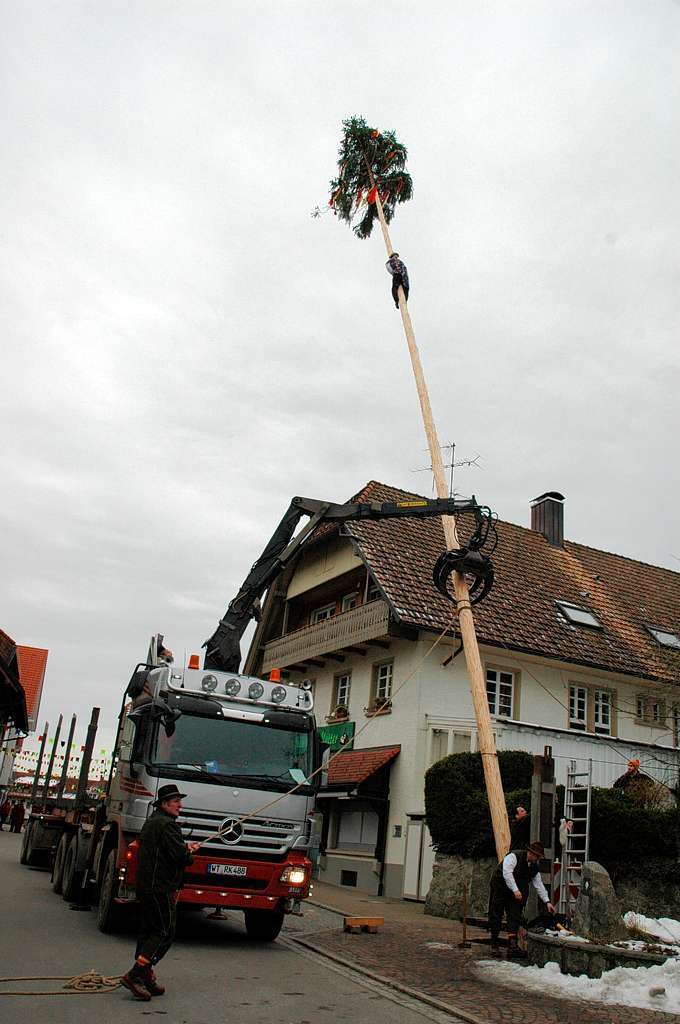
x=399, y=273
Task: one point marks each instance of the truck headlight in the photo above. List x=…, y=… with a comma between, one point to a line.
x=294, y=875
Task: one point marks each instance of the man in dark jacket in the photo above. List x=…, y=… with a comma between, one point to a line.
x=163, y=856
x=397, y=268
x=509, y=892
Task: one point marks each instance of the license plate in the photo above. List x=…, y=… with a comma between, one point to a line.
x=227, y=869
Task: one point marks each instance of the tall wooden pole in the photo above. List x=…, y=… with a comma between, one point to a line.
x=487, y=745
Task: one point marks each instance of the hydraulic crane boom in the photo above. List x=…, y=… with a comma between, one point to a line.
x=223, y=649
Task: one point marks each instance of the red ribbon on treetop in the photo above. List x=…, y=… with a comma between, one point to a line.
x=372, y=195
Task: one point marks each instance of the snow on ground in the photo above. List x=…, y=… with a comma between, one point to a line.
x=624, y=986
x=664, y=928
x=565, y=936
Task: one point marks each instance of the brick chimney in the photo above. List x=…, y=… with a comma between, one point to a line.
x=547, y=517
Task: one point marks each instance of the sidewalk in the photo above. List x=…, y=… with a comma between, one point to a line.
x=420, y=953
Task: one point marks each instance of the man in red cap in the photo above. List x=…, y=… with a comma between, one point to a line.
x=510, y=891
x=163, y=856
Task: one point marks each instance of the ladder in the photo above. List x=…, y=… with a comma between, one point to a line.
x=577, y=800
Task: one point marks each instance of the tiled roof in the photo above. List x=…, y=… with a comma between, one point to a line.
x=354, y=766
x=531, y=574
x=32, y=664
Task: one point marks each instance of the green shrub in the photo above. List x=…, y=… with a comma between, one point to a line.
x=622, y=831
x=456, y=806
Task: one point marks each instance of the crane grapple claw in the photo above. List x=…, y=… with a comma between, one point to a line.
x=476, y=567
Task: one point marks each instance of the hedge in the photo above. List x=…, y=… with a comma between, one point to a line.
x=457, y=813
x=456, y=807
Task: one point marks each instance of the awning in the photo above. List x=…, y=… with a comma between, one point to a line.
x=352, y=767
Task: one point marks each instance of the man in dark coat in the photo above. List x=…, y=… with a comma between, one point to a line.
x=397, y=268
x=163, y=856
x=509, y=892
x=16, y=817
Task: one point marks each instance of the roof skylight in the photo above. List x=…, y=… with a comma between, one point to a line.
x=578, y=616
x=665, y=637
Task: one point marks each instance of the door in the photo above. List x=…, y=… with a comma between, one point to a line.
x=419, y=859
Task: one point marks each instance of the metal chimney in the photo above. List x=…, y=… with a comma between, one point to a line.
x=547, y=517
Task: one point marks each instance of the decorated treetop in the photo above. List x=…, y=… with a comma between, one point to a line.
x=370, y=163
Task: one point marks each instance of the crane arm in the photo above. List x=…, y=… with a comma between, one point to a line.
x=223, y=649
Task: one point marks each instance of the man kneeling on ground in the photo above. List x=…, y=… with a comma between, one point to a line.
x=509, y=892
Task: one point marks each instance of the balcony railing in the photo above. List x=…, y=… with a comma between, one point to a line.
x=368, y=622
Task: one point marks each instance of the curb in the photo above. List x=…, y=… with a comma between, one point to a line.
x=325, y=906
x=414, y=993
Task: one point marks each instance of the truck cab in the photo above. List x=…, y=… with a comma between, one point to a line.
x=245, y=753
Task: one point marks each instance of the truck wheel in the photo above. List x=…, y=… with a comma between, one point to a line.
x=109, y=912
x=59, y=860
x=263, y=925
x=23, y=856
x=70, y=882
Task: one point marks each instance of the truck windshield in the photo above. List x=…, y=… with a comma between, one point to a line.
x=226, y=750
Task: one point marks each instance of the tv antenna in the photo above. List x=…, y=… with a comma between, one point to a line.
x=452, y=464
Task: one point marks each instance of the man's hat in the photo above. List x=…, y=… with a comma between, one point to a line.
x=536, y=848
x=169, y=792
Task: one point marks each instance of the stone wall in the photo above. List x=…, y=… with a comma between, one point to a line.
x=450, y=876
x=653, y=889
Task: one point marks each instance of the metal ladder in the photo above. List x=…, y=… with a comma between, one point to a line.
x=577, y=799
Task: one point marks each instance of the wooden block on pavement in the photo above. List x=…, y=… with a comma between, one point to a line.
x=354, y=925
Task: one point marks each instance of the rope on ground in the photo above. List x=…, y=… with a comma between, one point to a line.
x=89, y=983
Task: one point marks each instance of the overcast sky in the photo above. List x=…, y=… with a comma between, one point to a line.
x=184, y=347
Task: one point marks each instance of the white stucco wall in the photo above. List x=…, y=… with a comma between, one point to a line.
x=438, y=697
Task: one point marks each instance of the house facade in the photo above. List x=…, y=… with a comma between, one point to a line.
x=581, y=652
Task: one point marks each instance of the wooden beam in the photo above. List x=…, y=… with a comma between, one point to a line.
x=316, y=661
x=336, y=657
x=485, y=738
x=356, y=650
x=385, y=644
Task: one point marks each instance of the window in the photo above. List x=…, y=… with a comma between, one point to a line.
x=381, y=688
x=320, y=614
x=373, y=593
x=500, y=688
x=603, y=712
x=578, y=708
x=349, y=601
x=592, y=710
x=341, y=688
x=383, y=681
x=357, y=829
x=650, y=710
x=665, y=637
x=657, y=713
x=578, y=616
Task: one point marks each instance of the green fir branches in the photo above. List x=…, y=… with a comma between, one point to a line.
x=369, y=162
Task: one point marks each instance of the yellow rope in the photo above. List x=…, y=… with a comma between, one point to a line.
x=90, y=983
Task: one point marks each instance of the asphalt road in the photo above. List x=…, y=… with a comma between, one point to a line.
x=213, y=973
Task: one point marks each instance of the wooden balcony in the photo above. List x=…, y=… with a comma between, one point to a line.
x=370, y=622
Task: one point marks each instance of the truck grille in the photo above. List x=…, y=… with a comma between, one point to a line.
x=264, y=836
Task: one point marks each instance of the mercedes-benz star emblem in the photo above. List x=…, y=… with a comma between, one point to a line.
x=231, y=831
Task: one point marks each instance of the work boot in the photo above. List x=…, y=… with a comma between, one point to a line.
x=133, y=983
x=151, y=985
x=513, y=949
x=495, y=948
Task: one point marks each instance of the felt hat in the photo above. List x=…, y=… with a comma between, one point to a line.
x=169, y=792
x=536, y=848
